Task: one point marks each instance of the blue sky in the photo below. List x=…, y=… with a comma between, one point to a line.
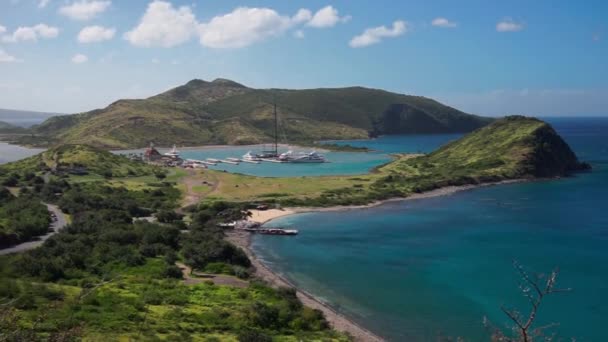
x=486, y=57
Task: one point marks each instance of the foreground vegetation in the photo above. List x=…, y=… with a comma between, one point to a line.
x=112, y=275
x=21, y=218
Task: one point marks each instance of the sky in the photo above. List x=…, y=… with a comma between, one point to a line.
x=541, y=58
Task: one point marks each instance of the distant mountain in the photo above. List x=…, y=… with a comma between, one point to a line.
x=226, y=112
x=24, y=118
x=6, y=127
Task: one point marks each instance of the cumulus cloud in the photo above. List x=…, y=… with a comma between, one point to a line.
x=163, y=25
x=375, y=35
x=509, y=25
x=84, y=9
x=302, y=16
x=2, y=29
x=299, y=34
x=79, y=59
x=43, y=3
x=6, y=58
x=242, y=27
x=95, y=34
x=327, y=17
x=444, y=23
x=30, y=33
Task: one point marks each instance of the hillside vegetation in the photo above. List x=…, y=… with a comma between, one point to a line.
x=515, y=147
x=80, y=159
x=6, y=127
x=226, y=112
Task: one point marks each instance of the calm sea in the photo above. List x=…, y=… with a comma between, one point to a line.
x=9, y=153
x=416, y=270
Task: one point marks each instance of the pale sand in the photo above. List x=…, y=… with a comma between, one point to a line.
x=263, y=216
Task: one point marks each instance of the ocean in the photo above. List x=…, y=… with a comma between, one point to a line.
x=421, y=269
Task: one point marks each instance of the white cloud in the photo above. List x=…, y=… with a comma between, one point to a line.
x=84, y=9
x=444, y=23
x=327, y=17
x=79, y=59
x=31, y=33
x=299, y=34
x=163, y=25
x=302, y=16
x=94, y=34
x=374, y=35
x=155, y=61
x=2, y=29
x=43, y=3
x=244, y=26
x=6, y=58
x=509, y=25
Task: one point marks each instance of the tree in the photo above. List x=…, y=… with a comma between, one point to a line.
x=160, y=175
x=535, y=288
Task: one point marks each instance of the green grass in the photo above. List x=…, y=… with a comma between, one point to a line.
x=136, y=303
x=97, y=163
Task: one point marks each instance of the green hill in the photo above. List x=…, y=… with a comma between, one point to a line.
x=226, y=112
x=6, y=127
x=80, y=159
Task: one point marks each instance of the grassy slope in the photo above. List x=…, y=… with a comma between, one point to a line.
x=512, y=148
x=96, y=162
x=172, y=311
x=225, y=112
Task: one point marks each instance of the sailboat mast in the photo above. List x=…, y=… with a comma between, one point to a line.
x=276, y=133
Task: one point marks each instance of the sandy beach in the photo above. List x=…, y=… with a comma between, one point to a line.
x=265, y=216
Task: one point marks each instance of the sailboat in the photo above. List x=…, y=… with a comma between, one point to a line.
x=174, y=153
x=287, y=157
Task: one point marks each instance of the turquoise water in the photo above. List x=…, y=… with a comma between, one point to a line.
x=419, y=143
x=341, y=163
x=416, y=270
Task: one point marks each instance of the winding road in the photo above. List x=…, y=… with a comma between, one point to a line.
x=56, y=226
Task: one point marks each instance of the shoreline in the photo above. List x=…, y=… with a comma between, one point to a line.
x=266, y=216
x=337, y=320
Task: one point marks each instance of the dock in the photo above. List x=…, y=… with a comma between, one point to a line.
x=201, y=162
x=272, y=231
x=269, y=160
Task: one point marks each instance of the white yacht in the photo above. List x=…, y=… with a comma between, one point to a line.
x=312, y=157
x=252, y=157
x=174, y=153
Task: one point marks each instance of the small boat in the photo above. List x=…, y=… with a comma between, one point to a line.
x=233, y=159
x=213, y=160
x=312, y=157
x=174, y=153
x=251, y=157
